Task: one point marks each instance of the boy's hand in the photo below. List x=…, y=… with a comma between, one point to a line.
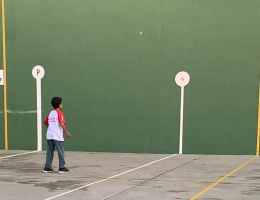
x=68, y=135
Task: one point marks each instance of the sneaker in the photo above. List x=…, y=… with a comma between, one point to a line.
x=63, y=170
x=47, y=170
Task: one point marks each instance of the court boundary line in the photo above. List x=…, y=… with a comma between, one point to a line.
x=151, y=179
x=99, y=178
x=19, y=154
x=222, y=179
x=103, y=180
x=241, y=166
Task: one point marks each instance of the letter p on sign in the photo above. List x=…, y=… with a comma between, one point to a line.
x=38, y=72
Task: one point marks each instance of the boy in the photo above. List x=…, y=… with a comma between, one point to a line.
x=55, y=122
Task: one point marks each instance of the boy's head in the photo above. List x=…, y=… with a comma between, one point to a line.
x=56, y=102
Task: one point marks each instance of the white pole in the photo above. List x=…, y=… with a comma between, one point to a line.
x=39, y=114
x=182, y=79
x=38, y=73
x=181, y=120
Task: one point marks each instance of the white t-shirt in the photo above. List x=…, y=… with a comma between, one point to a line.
x=53, y=120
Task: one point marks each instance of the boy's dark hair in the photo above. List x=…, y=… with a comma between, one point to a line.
x=55, y=102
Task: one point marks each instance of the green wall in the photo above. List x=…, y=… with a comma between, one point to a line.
x=118, y=87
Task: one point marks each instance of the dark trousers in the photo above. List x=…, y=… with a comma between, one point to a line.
x=51, y=145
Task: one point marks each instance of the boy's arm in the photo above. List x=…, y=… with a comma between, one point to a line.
x=68, y=135
x=46, y=123
x=62, y=123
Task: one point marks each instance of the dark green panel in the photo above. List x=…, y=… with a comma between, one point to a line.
x=118, y=87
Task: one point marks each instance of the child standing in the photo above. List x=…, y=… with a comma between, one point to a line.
x=55, y=122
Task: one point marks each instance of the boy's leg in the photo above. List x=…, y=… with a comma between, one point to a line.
x=49, y=155
x=60, y=148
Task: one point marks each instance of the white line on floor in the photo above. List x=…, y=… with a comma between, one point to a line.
x=110, y=177
x=18, y=154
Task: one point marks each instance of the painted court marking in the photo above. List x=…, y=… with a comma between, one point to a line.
x=19, y=111
x=223, y=178
x=110, y=177
x=114, y=179
x=241, y=166
x=18, y=154
x=153, y=178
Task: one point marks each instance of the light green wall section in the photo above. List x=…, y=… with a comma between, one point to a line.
x=118, y=87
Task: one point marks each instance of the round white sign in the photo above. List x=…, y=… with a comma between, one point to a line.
x=182, y=79
x=38, y=72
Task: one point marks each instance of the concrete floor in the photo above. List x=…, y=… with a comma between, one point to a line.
x=179, y=177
